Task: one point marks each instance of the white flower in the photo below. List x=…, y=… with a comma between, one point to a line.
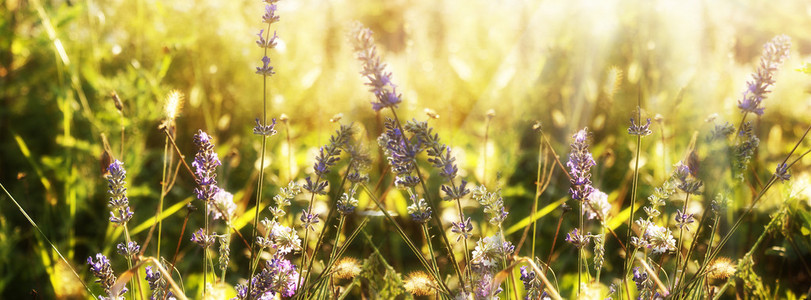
x=223, y=202
x=660, y=239
x=597, y=205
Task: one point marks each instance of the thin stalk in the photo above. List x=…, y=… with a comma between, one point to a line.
x=679, y=244
x=129, y=264
x=332, y=257
x=537, y=195
x=177, y=248
x=303, y=278
x=162, y=196
x=462, y=219
x=434, y=208
x=405, y=237
x=484, y=152
x=205, y=251
x=432, y=256
x=260, y=180
x=634, y=188
x=34, y=224
x=580, y=251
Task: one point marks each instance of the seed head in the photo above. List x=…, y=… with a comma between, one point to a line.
x=721, y=268
x=347, y=268
x=419, y=284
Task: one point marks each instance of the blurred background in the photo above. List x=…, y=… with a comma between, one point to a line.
x=565, y=64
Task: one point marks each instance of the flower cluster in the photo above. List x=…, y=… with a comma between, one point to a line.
x=686, y=179
x=493, y=204
x=580, y=163
x=532, y=284
x=379, y=81
x=205, y=166
x=265, y=41
x=120, y=212
x=201, y=238
x=128, y=249
x=597, y=206
x=327, y=157
x=463, y=228
x=104, y=272
x=491, y=251
x=157, y=284
x=265, y=130
x=639, y=130
x=643, y=283
x=782, y=172
x=659, y=239
x=745, y=148
x=279, y=277
x=283, y=198
x=577, y=238
x=774, y=53
x=401, y=153
x=222, y=206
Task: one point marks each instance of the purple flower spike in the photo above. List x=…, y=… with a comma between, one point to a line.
x=580, y=163
x=774, y=53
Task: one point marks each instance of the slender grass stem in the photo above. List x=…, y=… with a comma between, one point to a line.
x=537, y=196
x=129, y=264
x=162, y=196
x=679, y=244
x=634, y=190
x=34, y=224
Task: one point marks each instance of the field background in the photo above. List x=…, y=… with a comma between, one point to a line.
x=566, y=64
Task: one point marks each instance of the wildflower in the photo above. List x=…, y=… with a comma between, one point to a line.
x=687, y=182
x=270, y=16
x=120, y=212
x=318, y=187
x=172, y=105
x=347, y=204
x=222, y=206
x=129, y=249
x=639, y=130
x=205, y=166
x=266, y=69
x=263, y=43
x=278, y=277
x=419, y=284
x=157, y=284
x=721, y=131
x=531, y=283
x=683, y=219
x=484, y=287
x=282, y=200
x=660, y=239
x=308, y=220
x=285, y=239
x=580, y=163
x=265, y=130
x=419, y=210
x=104, y=272
x=224, y=252
x=745, y=148
x=774, y=53
x=374, y=71
x=643, y=283
x=599, y=251
x=721, y=268
x=597, y=205
x=347, y=268
x=782, y=172
x=202, y=239
x=328, y=154
x=492, y=250
x=577, y=238
x=463, y=228
x=401, y=154
x=493, y=204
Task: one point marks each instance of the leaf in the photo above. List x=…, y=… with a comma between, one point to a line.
x=538, y=214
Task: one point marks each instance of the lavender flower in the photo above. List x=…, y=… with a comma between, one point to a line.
x=577, y=238
x=659, y=239
x=463, y=228
x=347, y=203
x=278, y=277
x=420, y=211
x=263, y=43
x=265, y=130
x=308, y=220
x=120, y=212
x=128, y=250
x=686, y=181
x=224, y=252
x=205, y=166
x=683, y=219
x=401, y=154
x=266, y=69
x=639, y=130
x=599, y=251
x=774, y=53
x=157, y=284
x=491, y=251
x=202, y=239
x=745, y=148
x=270, y=15
x=531, y=283
x=643, y=283
x=104, y=272
x=374, y=71
x=580, y=163
x=493, y=204
x=782, y=172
